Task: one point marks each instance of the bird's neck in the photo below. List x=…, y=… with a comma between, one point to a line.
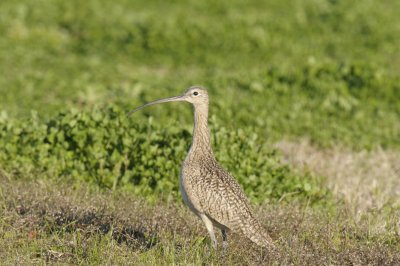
x=201, y=134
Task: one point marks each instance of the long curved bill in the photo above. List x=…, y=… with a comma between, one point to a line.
x=171, y=99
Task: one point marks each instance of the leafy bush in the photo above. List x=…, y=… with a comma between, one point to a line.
x=109, y=149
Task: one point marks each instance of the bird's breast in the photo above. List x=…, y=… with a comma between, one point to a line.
x=188, y=187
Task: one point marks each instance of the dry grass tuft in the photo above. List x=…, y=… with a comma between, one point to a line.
x=364, y=179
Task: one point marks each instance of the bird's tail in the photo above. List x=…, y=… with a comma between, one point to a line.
x=253, y=230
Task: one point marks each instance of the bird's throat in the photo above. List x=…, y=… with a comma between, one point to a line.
x=201, y=133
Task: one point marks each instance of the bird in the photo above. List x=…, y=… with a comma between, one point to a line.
x=209, y=190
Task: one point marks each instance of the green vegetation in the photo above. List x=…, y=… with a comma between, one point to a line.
x=324, y=71
x=105, y=148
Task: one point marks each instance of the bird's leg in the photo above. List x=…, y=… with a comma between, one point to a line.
x=224, y=239
x=210, y=229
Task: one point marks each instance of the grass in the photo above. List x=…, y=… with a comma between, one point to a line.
x=313, y=81
x=365, y=180
x=52, y=223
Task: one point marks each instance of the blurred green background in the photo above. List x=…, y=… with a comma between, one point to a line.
x=327, y=70
x=322, y=70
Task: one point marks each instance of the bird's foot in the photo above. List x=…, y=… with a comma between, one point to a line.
x=225, y=245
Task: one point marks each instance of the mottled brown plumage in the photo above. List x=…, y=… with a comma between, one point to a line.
x=207, y=188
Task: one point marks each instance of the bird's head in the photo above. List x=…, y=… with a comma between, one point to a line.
x=195, y=95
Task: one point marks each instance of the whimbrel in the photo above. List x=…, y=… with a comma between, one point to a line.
x=207, y=188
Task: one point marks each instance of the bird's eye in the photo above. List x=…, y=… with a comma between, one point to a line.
x=195, y=93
